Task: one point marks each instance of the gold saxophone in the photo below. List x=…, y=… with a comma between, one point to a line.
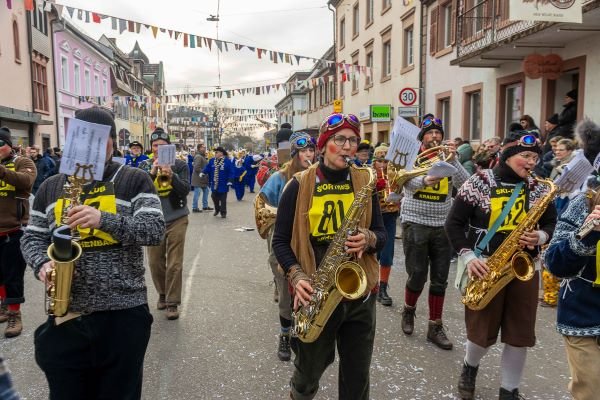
x=337, y=277
x=509, y=261
x=65, y=250
x=423, y=164
x=264, y=215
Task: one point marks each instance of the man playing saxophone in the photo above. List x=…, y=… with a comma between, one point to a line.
x=425, y=205
x=481, y=201
x=96, y=351
x=302, y=151
x=311, y=211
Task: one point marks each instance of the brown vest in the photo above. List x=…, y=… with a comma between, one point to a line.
x=301, y=230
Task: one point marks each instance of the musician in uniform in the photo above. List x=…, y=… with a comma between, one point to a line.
x=478, y=204
x=172, y=182
x=220, y=177
x=576, y=259
x=425, y=205
x=311, y=210
x=96, y=351
x=302, y=151
x=17, y=176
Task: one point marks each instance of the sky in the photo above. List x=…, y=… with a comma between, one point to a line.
x=303, y=27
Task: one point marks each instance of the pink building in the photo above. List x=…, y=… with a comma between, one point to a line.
x=82, y=73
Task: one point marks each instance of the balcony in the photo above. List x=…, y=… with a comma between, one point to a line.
x=487, y=38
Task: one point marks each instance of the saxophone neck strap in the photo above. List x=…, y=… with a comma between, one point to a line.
x=492, y=231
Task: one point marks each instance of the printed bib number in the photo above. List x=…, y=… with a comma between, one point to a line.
x=329, y=205
x=437, y=193
x=517, y=213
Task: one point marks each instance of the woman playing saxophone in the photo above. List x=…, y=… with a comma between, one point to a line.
x=312, y=209
x=478, y=204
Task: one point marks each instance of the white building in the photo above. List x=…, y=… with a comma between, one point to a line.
x=292, y=108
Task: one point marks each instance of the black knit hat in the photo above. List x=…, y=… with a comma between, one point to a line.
x=99, y=116
x=160, y=134
x=136, y=143
x=511, y=145
x=5, y=135
x=427, y=128
x=572, y=94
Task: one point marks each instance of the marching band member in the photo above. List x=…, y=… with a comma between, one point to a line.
x=309, y=214
x=239, y=175
x=96, y=351
x=576, y=259
x=166, y=259
x=220, y=176
x=389, y=212
x=17, y=176
x=303, y=156
x=251, y=166
x=425, y=206
x=135, y=156
x=479, y=202
x=363, y=154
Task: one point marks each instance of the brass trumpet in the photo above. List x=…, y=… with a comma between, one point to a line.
x=163, y=180
x=423, y=164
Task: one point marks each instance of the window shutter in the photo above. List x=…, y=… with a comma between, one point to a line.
x=453, y=23
x=488, y=14
x=433, y=33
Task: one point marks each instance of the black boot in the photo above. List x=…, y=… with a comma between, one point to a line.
x=508, y=395
x=436, y=334
x=408, y=319
x=382, y=295
x=284, y=351
x=466, y=383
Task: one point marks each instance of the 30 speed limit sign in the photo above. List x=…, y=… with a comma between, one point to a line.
x=408, y=96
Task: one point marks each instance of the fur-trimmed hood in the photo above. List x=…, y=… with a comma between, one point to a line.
x=588, y=133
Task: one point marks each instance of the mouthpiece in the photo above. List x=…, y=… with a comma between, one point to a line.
x=348, y=160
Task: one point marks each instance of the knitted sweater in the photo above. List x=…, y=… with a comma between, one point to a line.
x=110, y=278
x=575, y=261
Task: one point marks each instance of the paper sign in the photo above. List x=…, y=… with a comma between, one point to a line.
x=442, y=169
x=535, y=10
x=404, y=145
x=85, y=145
x=166, y=154
x=574, y=173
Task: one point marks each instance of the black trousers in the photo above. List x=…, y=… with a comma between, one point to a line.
x=352, y=327
x=12, y=268
x=220, y=202
x=426, y=251
x=95, y=356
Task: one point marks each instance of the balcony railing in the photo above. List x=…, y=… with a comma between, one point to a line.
x=484, y=23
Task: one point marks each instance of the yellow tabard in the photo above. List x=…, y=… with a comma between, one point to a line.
x=7, y=190
x=329, y=205
x=499, y=197
x=101, y=197
x=162, y=191
x=437, y=193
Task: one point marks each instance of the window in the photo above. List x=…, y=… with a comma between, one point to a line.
x=445, y=112
x=104, y=88
x=369, y=12
x=442, y=27
x=331, y=91
x=40, y=87
x=39, y=18
x=342, y=33
x=96, y=86
x=385, y=5
x=369, y=63
x=512, y=104
x=342, y=81
x=310, y=94
x=64, y=72
x=474, y=115
x=76, y=79
x=355, y=73
x=387, y=59
x=355, y=20
x=408, y=47
x=87, y=82
x=447, y=32
x=16, y=42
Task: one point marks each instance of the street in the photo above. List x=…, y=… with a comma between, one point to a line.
x=224, y=344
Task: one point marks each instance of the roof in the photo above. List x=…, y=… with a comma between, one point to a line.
x=138, y=54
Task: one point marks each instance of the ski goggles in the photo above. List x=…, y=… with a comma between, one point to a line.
x=3, y=142
x=159, y=135
x=336, y=120
x=431, y=121
x=524, y=141
x=303, y=142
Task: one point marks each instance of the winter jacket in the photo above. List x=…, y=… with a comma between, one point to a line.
x=17, y=175
x=45, y=169
x=566, y=120
x=219, y=182
x=199, y=164
x=465, y=157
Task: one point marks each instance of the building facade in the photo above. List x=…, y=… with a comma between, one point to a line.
x=292, y=108
x=321, y=92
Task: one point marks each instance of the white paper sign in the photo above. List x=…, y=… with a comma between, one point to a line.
x=442, y=169
x=404, y=145
x=574, y=173
x=166, y=155
x=553, y=10
x=85, y=145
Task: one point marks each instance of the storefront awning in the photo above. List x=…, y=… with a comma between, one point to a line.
x=16, y=115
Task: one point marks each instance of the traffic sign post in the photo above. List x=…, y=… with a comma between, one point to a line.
x=408, y=96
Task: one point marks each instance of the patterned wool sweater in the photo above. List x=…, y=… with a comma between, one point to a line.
x=113, y=278
x=575, y=261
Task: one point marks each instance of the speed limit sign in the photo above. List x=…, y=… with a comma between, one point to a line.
x=408, y=96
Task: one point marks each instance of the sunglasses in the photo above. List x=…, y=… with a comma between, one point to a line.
x=341, y=140
x=303, y=142
x=336, y=120
x=431, y=121
x=159, y=135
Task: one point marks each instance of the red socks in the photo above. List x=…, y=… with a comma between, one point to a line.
x=11, y=307
x=14, y=307
x=384, y=273
x=410, y=297
x=436, y=306
x=2, y=292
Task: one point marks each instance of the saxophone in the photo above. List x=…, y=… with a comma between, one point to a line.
x=509, y=261
x=337, y=276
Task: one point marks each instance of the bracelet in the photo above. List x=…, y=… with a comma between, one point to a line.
x=370, y=237
x=295, y=274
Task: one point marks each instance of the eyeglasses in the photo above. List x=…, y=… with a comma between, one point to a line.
x=431, y=121
x=3, y=142
x=159, y=135
x=341, y=140
x=302, y=142
x=336, y=120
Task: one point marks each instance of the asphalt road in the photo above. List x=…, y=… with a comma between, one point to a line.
x=224, y=345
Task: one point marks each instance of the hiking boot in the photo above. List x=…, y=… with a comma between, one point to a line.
x=436, y=334
x=215, y=213
x=508, y=395
x=161, y=303
x=382, y=295
x=284, y=351
x=172, y=312
x=14, y=326
x=408, y=319
x=223, y=215
x=196, y=210
x=466, y=382
x=3, y=313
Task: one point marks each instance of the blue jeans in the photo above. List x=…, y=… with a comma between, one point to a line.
x=197, y=196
